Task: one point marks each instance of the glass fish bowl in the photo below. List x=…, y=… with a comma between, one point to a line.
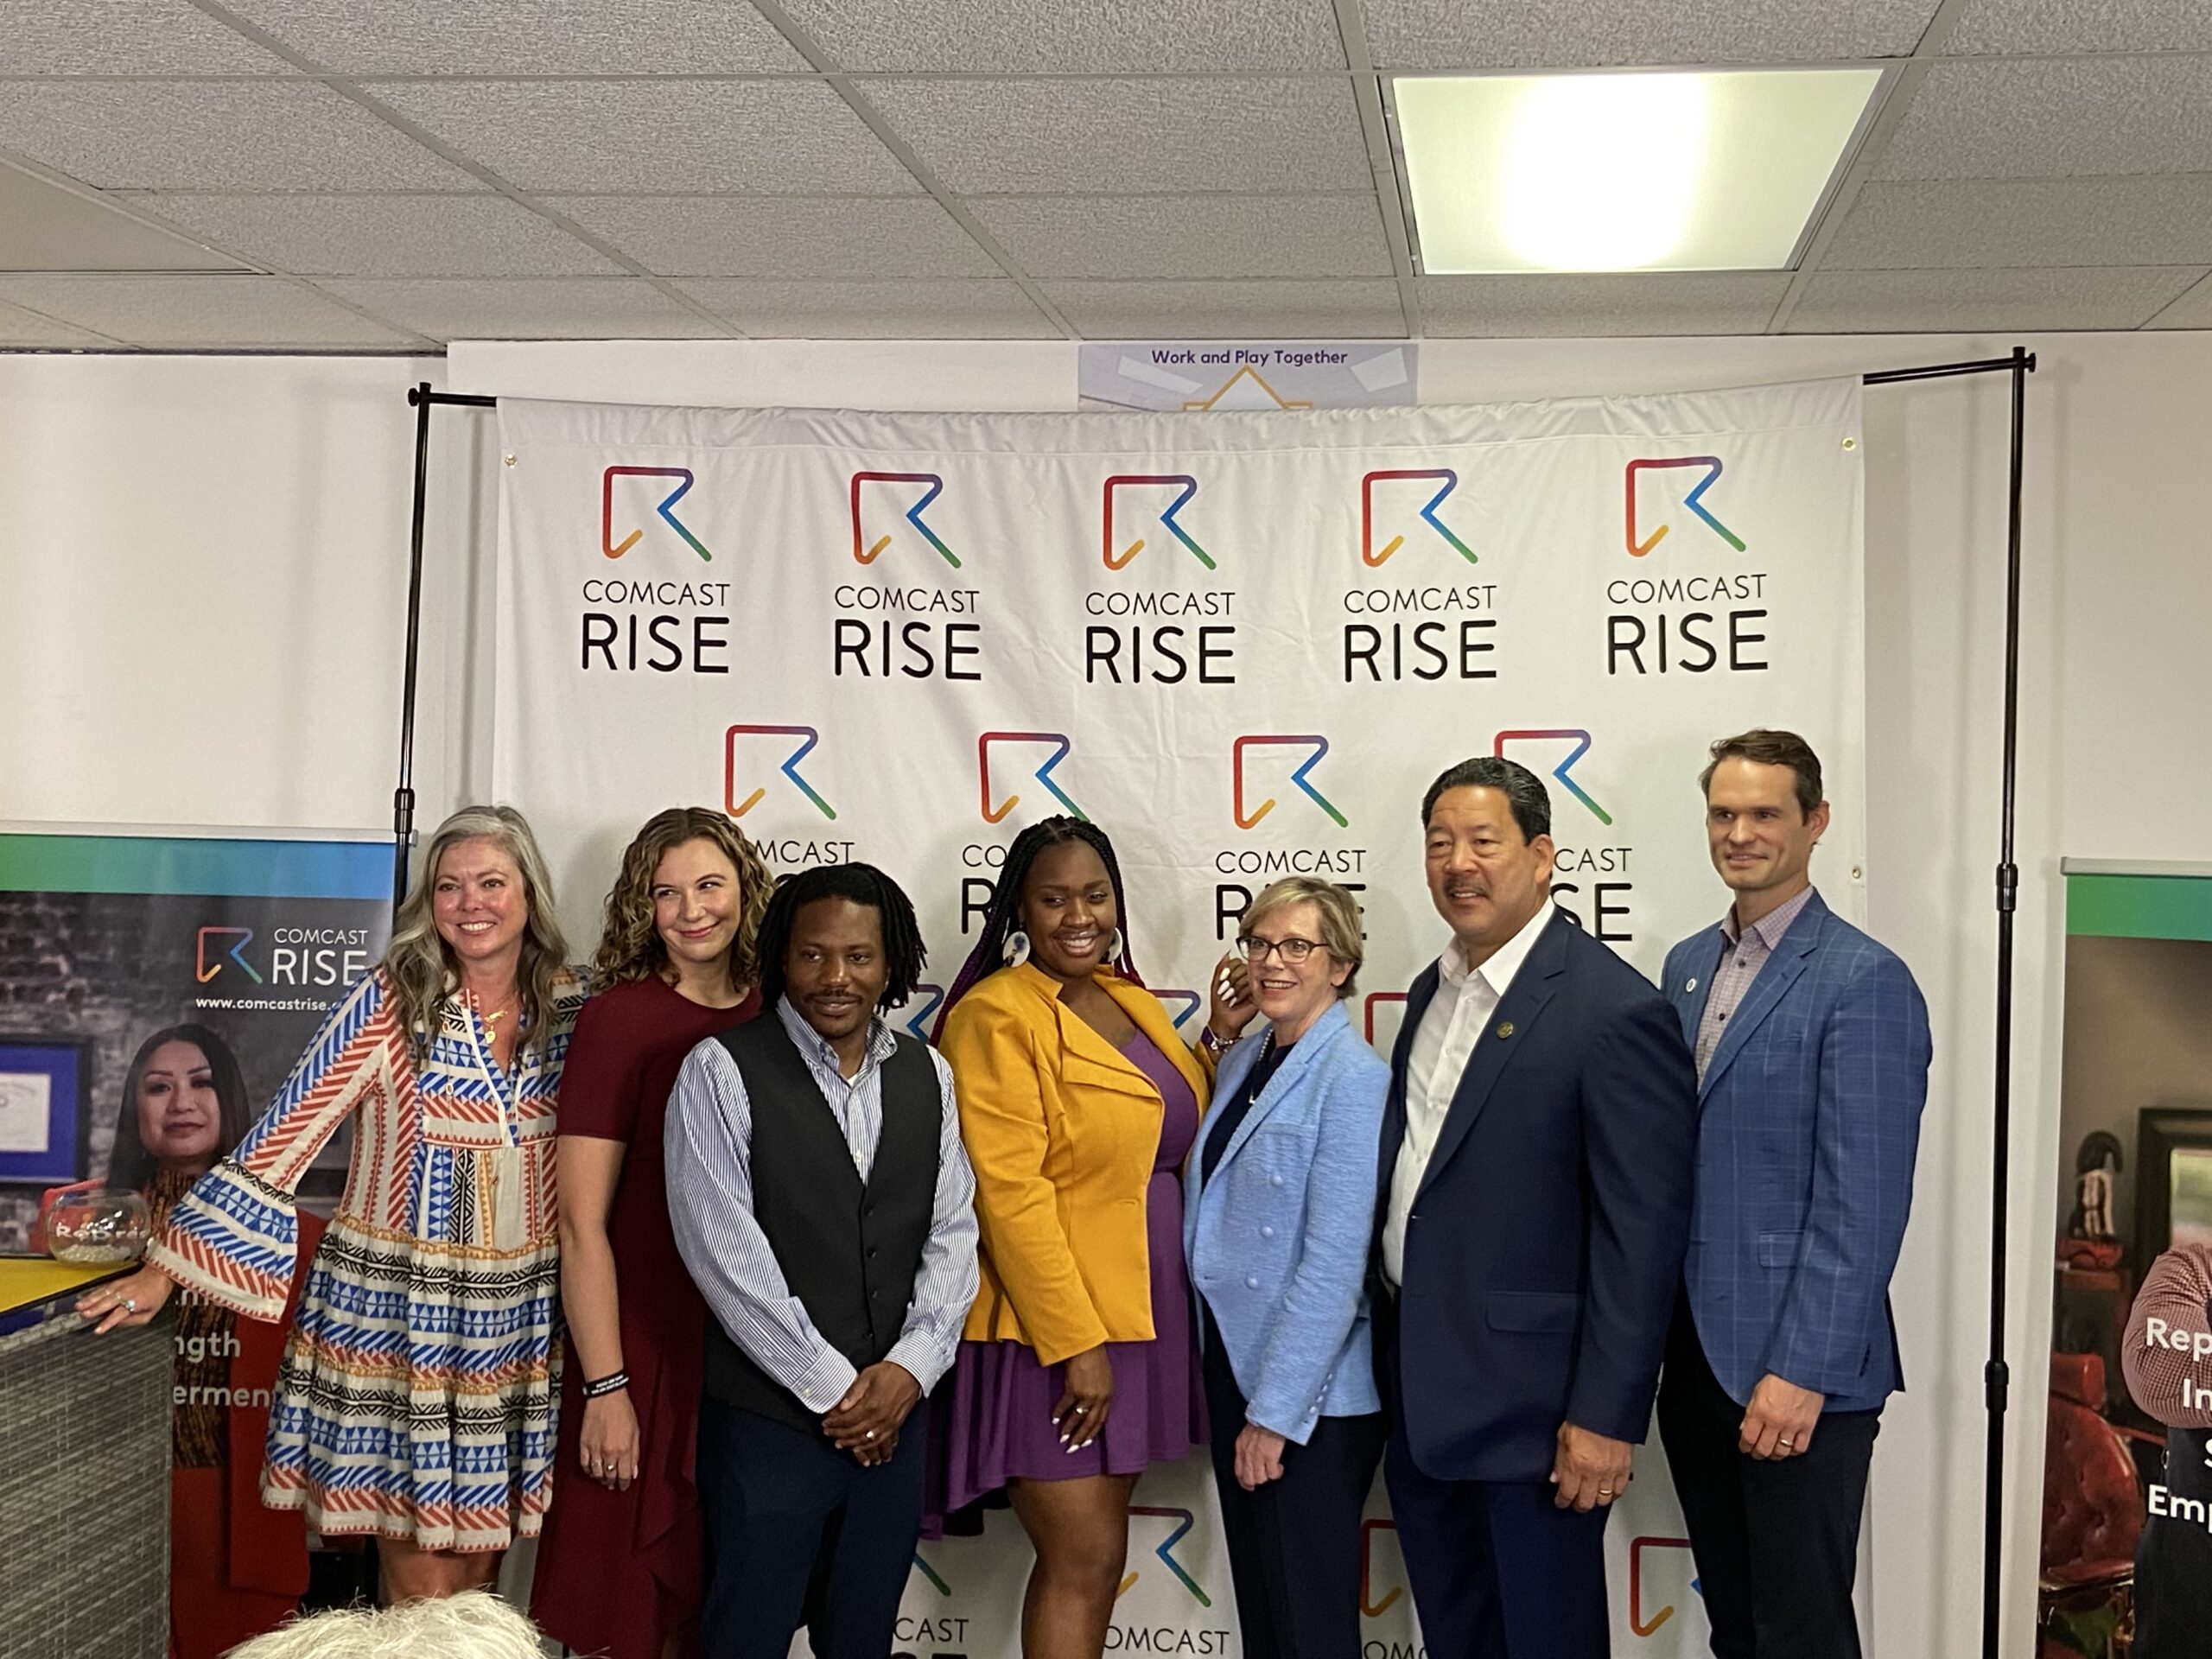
x=99, y=1228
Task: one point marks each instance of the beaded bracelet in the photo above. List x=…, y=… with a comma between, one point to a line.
x=611, y=1383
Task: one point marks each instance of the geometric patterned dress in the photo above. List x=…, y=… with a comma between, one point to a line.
x=420, y=1382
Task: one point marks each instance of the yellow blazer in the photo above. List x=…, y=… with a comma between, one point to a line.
x=1062, y=1131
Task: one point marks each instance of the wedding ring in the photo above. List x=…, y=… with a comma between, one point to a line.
x=1786, y=1440
x=867, y=1434
x=130, y=1305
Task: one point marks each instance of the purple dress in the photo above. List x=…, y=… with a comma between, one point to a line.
x=996, y=1422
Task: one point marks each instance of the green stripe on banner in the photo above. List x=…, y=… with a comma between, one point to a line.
x=2139, y=906
x=182, y=864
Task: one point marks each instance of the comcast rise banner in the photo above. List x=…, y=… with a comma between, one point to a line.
x=1242, y=644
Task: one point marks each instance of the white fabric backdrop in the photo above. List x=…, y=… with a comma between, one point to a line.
x=1170, y=621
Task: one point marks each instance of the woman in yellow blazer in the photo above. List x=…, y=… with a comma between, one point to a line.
x=1078, y=1103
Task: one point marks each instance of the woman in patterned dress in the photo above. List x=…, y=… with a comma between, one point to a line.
x=418, y=1393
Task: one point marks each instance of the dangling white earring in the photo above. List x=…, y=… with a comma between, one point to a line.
x=1113, y=948
x=1015, y=950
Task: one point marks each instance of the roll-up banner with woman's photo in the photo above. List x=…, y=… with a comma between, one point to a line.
x=2127, y=1563
x=155, y=991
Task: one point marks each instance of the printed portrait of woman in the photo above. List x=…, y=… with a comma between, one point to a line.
x=184, y=1106
x=237, y=1569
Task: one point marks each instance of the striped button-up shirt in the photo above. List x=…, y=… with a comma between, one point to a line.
x=1743, y=953
x=709, y=1146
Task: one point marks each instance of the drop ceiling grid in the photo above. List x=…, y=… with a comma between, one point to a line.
x=1152, y=166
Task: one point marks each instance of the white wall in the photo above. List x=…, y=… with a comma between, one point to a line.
x=202, y=592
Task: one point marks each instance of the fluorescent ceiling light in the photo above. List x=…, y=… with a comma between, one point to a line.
x=1622, y=172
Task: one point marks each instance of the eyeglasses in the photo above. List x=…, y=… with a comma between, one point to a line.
x=1249, y=948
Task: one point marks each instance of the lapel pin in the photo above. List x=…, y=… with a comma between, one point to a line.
x=1689, y=985
x=1505, y=1027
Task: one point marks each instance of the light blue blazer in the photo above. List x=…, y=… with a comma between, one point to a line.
x=1277, y=1240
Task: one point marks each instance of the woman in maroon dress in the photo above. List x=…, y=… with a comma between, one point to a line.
x=619, y=1561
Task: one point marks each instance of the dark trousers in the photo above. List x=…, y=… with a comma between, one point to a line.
x=1497, y=1572
x=796, y=1532
x=2173, y=1589
x=1776, y=1543
x=1294, y=1543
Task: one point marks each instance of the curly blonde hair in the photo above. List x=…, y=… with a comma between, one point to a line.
x=630, y=947
x=416, y=963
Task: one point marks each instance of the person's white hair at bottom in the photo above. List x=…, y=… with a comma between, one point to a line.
x=474, y=1625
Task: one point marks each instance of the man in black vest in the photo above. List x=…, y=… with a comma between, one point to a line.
x=822, y=1199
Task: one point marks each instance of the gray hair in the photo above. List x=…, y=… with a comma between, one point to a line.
x=1339, y=913
x=423, y=977
x=473, y=1625
x=1523, y=790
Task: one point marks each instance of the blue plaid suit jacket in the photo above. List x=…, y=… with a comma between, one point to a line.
x=1809, y=1120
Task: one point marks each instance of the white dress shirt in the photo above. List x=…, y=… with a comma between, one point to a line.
x=1455, y=1019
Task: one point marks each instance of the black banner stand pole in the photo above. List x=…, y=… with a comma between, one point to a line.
x=1996, y=1375
x=402, y=798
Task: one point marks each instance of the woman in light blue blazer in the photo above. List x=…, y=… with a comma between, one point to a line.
x=1278, y=1213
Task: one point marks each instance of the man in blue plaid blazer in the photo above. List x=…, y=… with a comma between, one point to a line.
x=1812, y=1051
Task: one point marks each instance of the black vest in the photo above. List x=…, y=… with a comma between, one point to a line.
x=849, y=1252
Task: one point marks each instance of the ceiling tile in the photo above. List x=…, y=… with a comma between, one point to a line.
x=781, y=137
x=20, y=328
x=126, y=37
x=526, y=37
x=45, y=227
x=213, y=311
x=1321, y=310
x=1097, y=37
x=1068, y=138
x=853, y=236
x=923, y=310
x=1959, y=224
x=2192, y=310
x=1983, y=301
x=214, y=135
x=2051, y=118
x=383, y=236
x=2037, y=26
x=588, y=308
x=1189, y=236
x=1647, y=304
x=1546, y=34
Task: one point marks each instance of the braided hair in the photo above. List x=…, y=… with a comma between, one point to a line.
x=1005, y=912
x=903, y=952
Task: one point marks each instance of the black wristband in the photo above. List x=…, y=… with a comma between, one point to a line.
x=611, y=1383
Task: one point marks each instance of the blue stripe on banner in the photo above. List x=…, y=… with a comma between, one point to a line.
x=188, y=864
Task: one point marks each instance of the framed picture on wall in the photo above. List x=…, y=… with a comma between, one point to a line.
x=46, y=1106
x=2173, y=1179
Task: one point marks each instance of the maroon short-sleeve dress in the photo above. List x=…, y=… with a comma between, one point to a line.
x=618, y=1572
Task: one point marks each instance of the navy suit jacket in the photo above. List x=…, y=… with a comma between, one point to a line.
x=1808, y=1123
x=1545, y=1247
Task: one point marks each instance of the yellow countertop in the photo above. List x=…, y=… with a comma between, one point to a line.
x=26, y=1281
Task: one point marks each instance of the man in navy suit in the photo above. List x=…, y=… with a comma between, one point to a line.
x=1534, y=1200
x=1812, y=1053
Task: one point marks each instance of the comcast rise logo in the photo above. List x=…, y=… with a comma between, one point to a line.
x=867, y=548
x=666, y=509
x=1317, y=747
x=740, y=759
x=1117, y=516
x=1638, y=547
